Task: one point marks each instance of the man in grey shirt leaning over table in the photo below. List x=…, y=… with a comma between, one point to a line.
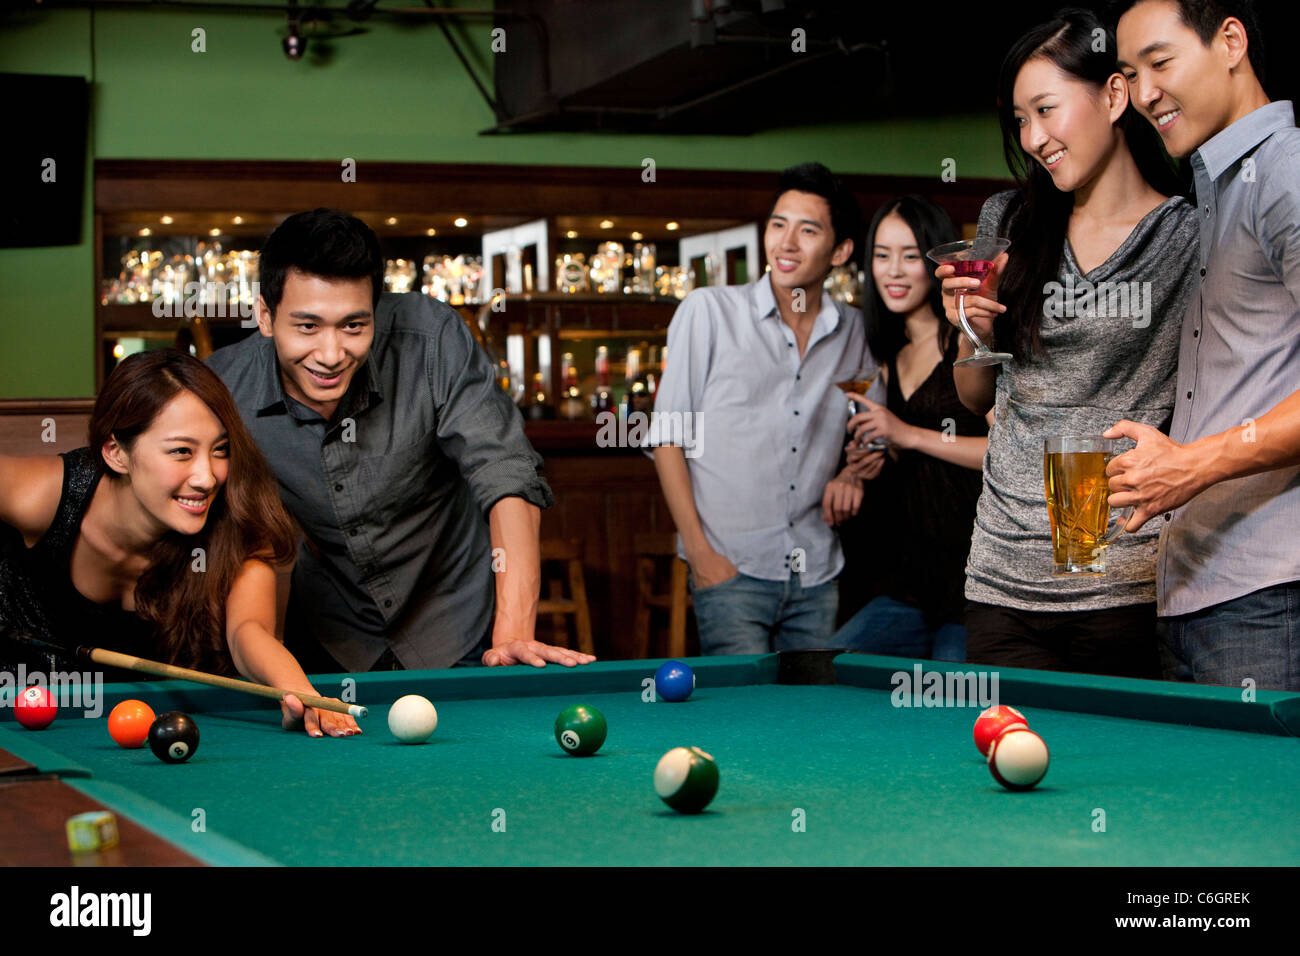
x=748, y=427
x=1226, y=481
x=400, y=457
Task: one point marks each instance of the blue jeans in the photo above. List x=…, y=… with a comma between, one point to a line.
x=886, y=626
x=745, y=615
x=1254, y=637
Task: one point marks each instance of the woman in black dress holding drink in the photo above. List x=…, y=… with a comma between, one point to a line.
x=927, y=492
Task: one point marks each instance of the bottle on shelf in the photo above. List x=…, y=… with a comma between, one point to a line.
x=602, y=398
x=653, y=373
x=639, y=398
x=572, y=406
x=539, y=407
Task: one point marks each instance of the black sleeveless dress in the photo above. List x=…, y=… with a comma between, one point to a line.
x=37, y=596
x=926, y=530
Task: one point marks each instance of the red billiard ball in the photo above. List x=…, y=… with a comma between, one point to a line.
x=1018, y=758
x=35, y=708
x=993, y=722
x=129, y=722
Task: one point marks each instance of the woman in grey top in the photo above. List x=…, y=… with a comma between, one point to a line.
x=1098, y=203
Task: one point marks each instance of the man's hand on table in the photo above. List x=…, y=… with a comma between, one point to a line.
x=533, y=652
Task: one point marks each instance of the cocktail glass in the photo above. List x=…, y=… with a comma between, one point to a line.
x=858, y=385
x=972, y=258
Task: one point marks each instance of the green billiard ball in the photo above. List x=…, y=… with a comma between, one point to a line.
x=686, y=779
x=580, y=730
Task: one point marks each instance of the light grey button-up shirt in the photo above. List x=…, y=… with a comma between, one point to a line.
x=1239, y=357
x=762, y=428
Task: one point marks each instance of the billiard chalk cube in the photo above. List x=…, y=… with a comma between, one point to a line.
x=96, y=830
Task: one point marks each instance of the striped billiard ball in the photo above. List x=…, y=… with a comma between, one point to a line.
x=992, y=722
x=686, y=779
x=1018, y=758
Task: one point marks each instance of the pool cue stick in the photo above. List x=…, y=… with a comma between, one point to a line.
x=132, y=663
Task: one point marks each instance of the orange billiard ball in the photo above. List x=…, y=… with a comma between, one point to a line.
x=129, y=723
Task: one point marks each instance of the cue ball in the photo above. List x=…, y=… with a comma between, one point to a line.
x=686, y=779
x=674, y=681
x=993, y=722
x=35, y=708
x=174, y=737
x=129, y=723
x=1018, y=758
x=412, y=719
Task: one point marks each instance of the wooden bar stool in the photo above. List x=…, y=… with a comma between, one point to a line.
x=569, y=553
x=650, y=550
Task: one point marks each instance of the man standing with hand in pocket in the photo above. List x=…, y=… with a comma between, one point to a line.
x=751, y=373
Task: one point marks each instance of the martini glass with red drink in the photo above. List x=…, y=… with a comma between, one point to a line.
x=972, y=258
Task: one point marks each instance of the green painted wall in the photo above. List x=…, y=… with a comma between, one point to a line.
x=395, y=94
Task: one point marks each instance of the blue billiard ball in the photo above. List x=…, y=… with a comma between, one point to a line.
x=674, y=681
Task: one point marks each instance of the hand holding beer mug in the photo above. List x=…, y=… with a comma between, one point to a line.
x=1074, y=470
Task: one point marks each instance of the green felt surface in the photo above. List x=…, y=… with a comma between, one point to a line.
x=876, y=783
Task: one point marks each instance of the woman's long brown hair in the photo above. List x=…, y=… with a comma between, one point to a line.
x=187, y=608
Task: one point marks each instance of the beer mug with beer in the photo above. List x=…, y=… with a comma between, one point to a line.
x=1074, y=470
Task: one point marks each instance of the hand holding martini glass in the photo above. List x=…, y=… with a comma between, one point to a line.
x=972, y=258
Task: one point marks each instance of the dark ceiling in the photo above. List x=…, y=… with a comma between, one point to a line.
x=694, y=66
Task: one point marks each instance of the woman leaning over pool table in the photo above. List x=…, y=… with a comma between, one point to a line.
x=159, y=538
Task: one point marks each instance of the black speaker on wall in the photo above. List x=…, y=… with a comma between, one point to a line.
x=43, y=159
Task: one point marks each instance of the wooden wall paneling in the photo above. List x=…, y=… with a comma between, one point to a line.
x=23, y=425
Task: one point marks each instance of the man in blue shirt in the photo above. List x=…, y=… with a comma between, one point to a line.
x=748, y=427
x=1226, y=480
x=400, y=457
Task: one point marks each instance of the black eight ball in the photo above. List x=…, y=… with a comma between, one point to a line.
x=174, y=737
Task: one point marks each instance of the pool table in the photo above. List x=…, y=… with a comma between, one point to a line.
x=861, y=771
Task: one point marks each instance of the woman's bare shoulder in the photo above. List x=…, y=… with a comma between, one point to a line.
x=30, y=489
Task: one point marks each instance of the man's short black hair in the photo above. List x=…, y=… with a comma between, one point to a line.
x=324, y=242
x=846, y=215
x=1205, y=17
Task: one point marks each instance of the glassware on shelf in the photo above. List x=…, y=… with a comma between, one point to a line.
x=674, y=281
x=642, y=280
x=245, y=277
x=844, y=285
x=174, y=277
x=399, y=275
x=571, y=274
x=434, y=278
x=135, y=282
x=454, y=280
x=210, y=280
x=471, y=278
x=607, y=268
